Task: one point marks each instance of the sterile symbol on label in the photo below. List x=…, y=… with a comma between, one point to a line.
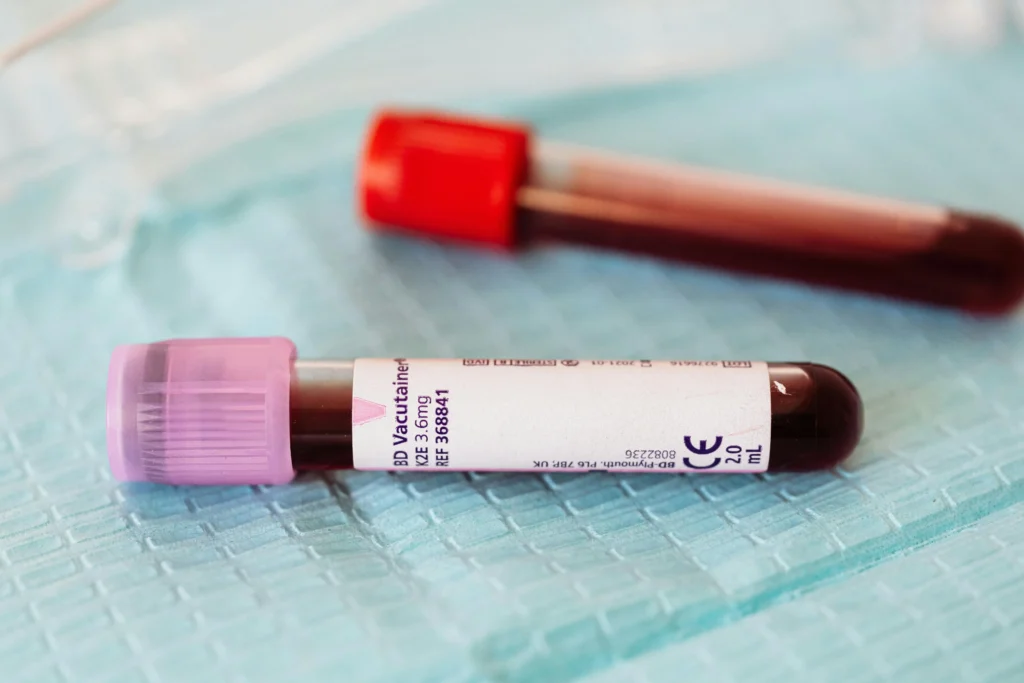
x=364, y=411
x=702, y=449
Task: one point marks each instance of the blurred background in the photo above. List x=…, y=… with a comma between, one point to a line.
x=145, y=93
x=186, y=168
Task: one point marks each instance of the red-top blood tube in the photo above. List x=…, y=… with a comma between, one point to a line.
x=492, y=183
x=247, y=411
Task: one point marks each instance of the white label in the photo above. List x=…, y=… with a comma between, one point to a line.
x=565, y=415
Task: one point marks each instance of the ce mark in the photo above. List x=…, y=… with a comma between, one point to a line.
x=702, y=449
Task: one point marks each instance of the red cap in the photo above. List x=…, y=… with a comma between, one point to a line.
x=444, y=176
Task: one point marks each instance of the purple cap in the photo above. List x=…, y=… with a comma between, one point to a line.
x=201, y=411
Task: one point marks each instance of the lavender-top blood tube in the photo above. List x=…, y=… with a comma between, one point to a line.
x=247, y=411
x=493, y=183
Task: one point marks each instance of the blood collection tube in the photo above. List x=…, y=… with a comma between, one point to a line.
x=493, y=183
x=246, y=411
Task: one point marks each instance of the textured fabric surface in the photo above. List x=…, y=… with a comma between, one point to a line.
x=904, y=565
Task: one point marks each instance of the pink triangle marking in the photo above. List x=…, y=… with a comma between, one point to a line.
x=364, y=411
